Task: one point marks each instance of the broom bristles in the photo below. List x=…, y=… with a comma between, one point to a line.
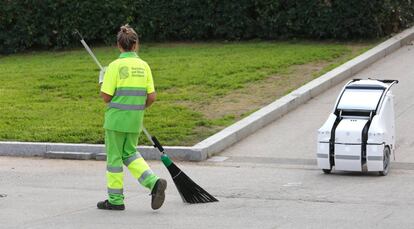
x=190, y=191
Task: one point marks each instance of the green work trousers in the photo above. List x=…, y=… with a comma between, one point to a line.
x=121, y=150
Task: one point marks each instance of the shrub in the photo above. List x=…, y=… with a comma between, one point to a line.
x=50, y=23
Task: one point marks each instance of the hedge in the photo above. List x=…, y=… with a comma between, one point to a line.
x=50, y=23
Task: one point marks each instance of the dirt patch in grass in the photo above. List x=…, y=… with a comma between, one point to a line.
x=257, y=94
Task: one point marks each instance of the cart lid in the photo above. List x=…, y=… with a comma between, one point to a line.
x=362, y=95
x=367, y=84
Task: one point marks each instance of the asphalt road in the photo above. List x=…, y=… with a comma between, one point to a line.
x=268, y=180
x=46, y=193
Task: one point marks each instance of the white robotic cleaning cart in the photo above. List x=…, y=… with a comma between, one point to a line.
x=360, y=133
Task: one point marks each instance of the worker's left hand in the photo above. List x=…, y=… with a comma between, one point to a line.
x=101, y=75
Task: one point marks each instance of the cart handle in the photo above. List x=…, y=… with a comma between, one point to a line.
x=385, y=93
x=381, y=80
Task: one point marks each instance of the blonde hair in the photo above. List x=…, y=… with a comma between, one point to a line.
x=127, y=37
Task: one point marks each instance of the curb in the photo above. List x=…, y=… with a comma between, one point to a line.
x=90, y=151
x=232, y=134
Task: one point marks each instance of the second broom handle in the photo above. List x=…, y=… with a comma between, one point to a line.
x=154, y=141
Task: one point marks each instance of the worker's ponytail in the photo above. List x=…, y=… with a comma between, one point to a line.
x=127, y=37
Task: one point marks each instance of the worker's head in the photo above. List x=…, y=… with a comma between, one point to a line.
x=127, y=39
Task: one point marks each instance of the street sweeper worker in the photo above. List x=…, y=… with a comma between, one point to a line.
x=127, y=89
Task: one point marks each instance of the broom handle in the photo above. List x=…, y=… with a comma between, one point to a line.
x=154, y=141
x=88, y=49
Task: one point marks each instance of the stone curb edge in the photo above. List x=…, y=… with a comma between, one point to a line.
x=230, y=135
x=90, y=151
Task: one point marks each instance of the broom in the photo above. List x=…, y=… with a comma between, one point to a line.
x=190, y=192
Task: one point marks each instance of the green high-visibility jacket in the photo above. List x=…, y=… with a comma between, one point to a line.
x=129, y=80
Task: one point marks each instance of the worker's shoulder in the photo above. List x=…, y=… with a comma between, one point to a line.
x=114, y=63
x=143, y=62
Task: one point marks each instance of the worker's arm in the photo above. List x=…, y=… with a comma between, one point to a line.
x=150, y=99
x=106, y=98
x=151, y=95
x=109, y=83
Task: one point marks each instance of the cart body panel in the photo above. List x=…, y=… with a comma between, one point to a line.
x=360, y=128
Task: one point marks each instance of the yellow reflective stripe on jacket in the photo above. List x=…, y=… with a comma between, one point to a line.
x=129, y=98
x=126, y=107
x=130, y=92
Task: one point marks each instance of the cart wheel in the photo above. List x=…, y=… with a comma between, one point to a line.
x=386, y=161
x=327, y=171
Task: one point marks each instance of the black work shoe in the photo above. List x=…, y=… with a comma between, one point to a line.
x=158, y=194
x=108, y=206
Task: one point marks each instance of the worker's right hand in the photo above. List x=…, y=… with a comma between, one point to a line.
x=101, y=75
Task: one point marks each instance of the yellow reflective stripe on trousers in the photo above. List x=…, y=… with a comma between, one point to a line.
x=140, y=169
x=115, y=181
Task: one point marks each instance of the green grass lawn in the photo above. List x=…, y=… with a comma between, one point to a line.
x=53, y=96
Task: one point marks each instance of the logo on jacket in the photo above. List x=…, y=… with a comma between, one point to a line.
x=123, y=72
